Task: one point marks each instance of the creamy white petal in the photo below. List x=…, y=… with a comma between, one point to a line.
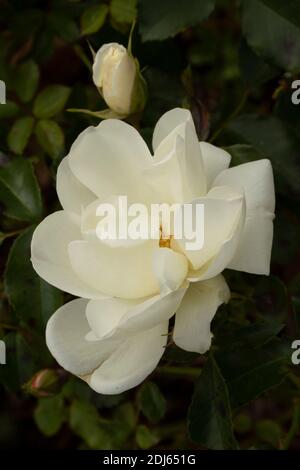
x=118, y=86
x=215, y=160
x=124, y=272
x=65, y=337
x=116, y=318
x=98, y=61
x=90, y=336
x=170, y=268
x=176, y=172
x=109, y=159
x=72, y=194
x=221, y=219
x=229, y=245
x=50, y=258
x=253, y=254
x=105, y=316
x=194, y=316
x=168, y=122
x=166, y=173
x=132, y=362
x=256, y=180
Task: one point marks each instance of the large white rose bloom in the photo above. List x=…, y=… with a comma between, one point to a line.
x=115, y=334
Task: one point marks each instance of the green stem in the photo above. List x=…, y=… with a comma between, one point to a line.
x=294, y=429
x=234, y=114
x=11, y=234
x=177, y=371
x=237, y=296
x=129, y=45
x=6, y=326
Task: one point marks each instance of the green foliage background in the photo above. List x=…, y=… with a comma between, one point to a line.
x=232, y=63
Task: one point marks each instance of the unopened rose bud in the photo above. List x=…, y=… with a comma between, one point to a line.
x=44, y=383
x=116, y=74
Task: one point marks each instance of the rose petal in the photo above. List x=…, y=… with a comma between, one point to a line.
x=98, y=61
x=256, y=180
x=116, y=318
x=170, y=268
x=168, y=122
x=49, y=254
x=229, y=245
x=177, y=172
x=221, y=218
x=132, y=361
x=65, y=337
x=124, y=272
x=193, y=318
x=215, y=160
x=109, y=158
x=72, y=195
x=118, y=86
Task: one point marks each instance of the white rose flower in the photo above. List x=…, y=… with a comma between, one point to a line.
x=116, y=74
x=116, y=333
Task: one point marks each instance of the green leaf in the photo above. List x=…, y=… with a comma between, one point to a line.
x=285, y=109
x=123, y=424
x=289, y=9
x=255, y=71
x=123, y=12
x=51, y=101
x=175, y=354
x=151, y=402
x=209, y=419
x=242, y=153
x=19, y=191
x=272, y=139
x=108, y=401
x=93, y=19
x=63, y=26
x=145, y=437
x=3, y=236
x=162, y=19
x=33, y=300
x=254, y=370
x=76, y=388
x=20, y=365
x=285, y=245
x=165, y=92
x=26, y=80
x=234, y=337
x=279, y=42
x=50, y=137
x=86, y=423
x=49, y=415
x=271, y=299
x=19, y=134
x=9, y=110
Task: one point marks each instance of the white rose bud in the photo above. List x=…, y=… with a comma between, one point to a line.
x=117, y=76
